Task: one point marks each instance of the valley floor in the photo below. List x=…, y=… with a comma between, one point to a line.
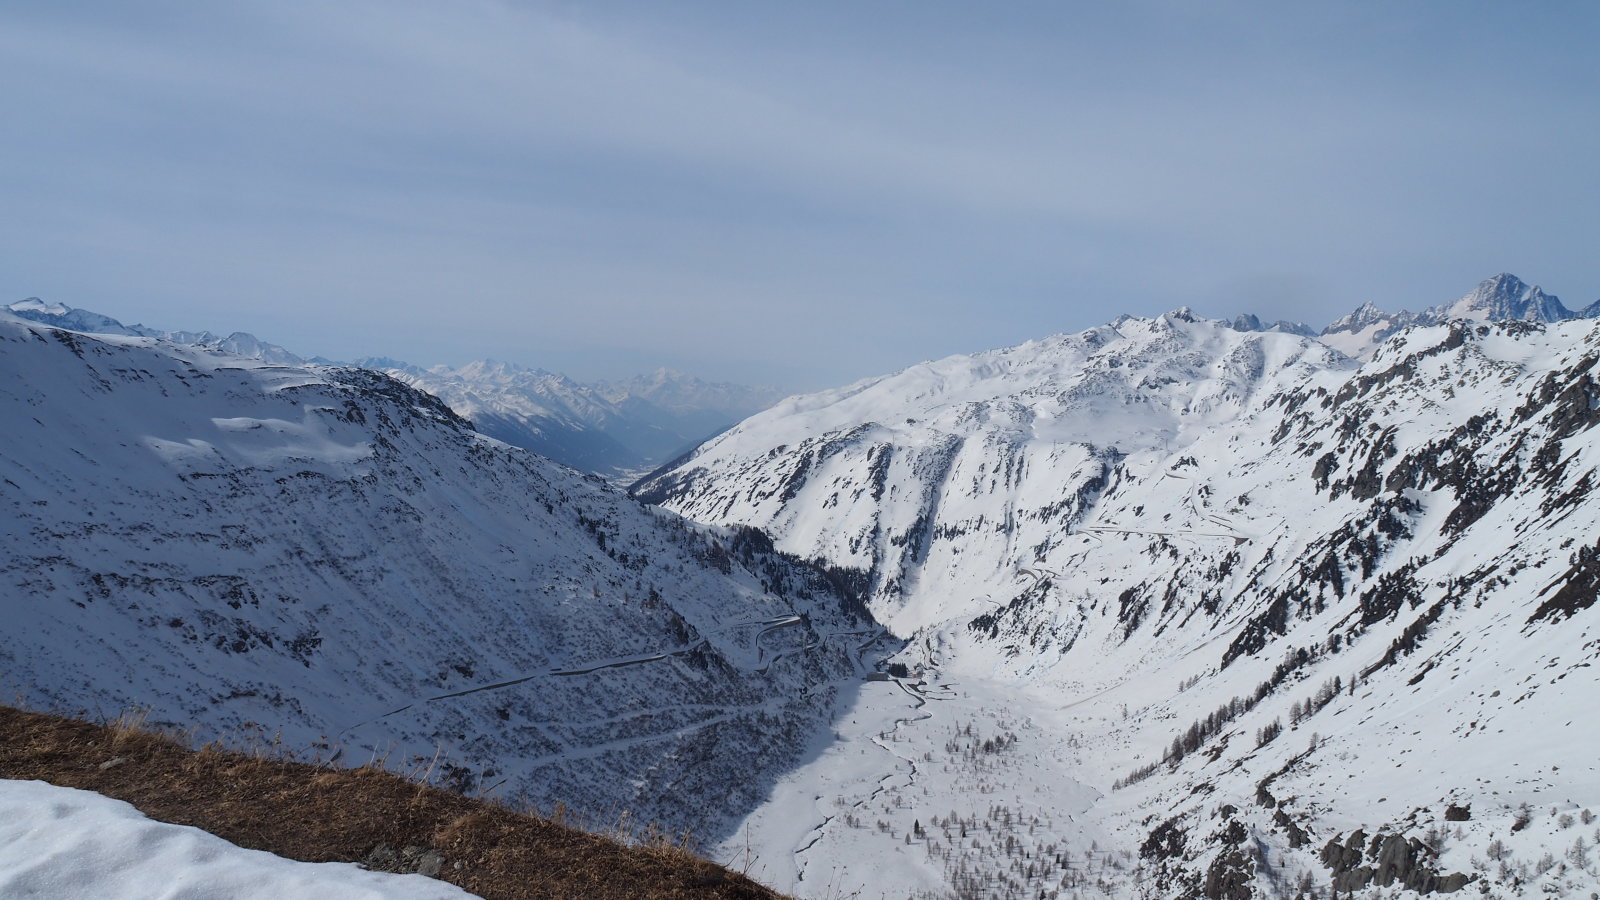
x=933, y=788
x=942, y=785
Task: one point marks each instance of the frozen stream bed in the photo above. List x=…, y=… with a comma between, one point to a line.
x=930, y=788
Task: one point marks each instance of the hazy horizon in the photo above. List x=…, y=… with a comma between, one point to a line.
x=793, y=196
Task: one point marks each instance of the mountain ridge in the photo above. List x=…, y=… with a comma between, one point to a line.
x=341, y=558
x=621, y=429
x=1144, y=561
x=1326, y=549
x=1501, y=298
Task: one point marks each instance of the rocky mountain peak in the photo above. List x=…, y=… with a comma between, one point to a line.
x=1504, y=298
x=1364, y=316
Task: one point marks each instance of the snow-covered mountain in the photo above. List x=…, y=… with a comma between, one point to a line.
x=330, y=555
x=944, y=478
x=1191, y=608
x=1503, y=298
x=696, y=409
x=1250, y=322
x=238, y=343
x=618, y=429
x=1271, y=621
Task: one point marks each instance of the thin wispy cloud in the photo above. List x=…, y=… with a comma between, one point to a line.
x=802, y=195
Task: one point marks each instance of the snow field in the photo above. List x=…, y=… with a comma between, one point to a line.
x=925, y=789
x=61, y=842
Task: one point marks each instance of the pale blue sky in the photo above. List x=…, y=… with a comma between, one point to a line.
x=793, y=193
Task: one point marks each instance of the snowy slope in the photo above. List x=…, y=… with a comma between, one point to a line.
x=946, y=478
x=1249, y=610
x=304, y=549
x=1359, y=333
x=1415, y=568
x=62, y=842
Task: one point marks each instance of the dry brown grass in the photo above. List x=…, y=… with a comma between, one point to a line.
x=304, y=811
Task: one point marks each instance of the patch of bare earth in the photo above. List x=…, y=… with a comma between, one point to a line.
x=321, y=814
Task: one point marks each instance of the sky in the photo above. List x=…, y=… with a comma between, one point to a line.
x=790, y=194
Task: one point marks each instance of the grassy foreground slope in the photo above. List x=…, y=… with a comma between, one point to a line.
x=318, y=813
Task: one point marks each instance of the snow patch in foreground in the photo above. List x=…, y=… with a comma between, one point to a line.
x=63, y=842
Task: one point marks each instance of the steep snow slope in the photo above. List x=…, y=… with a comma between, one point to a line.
x=1335, y=601
x=309, y=549
x=1414, y=588
x=946, y=478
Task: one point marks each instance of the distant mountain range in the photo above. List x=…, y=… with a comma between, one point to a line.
x=1503, y=298
x=238, y=343
x=622, y=430
x=618, y=429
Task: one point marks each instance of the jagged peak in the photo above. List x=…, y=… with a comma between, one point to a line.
x=1504, y=281
x=1365, y=316
x=1500, y=298
x=1250, y=322
x=1504, y=289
